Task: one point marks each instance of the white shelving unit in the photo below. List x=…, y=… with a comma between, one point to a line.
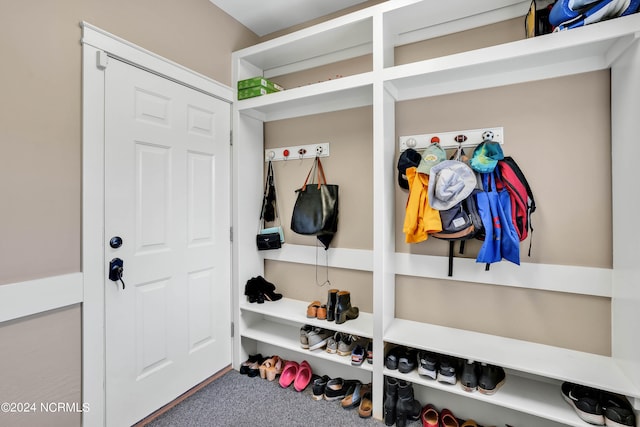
x=535, y=371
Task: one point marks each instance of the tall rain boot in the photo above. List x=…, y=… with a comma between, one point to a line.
x=390, y=400
x=332, y=299
x=407, y=407
x=344, y=311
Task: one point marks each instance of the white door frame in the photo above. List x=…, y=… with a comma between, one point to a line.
x=97, y=46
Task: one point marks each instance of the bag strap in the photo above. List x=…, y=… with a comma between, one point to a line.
x=270, y=181
x=317, y=174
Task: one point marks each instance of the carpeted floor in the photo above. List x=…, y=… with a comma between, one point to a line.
x=236, y=400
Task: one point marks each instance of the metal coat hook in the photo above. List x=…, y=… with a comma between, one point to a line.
x=302, y=152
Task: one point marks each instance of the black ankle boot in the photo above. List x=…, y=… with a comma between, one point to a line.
x=406, y=407
x=252, y=291
x=267, y=289
x=390, y=400
x=332, y=298
x=344, y=311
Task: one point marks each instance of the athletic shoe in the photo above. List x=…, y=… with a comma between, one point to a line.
x=491, y=378
x=391, y=359
x=346, y=344
x=332, y=343
x=427, y=364
x=335, y=389
x=585, y=401
x=318, y=338
x=618, y=412
x=447, y=370
x=357, y=355
x=407, y=361
x=370, y=352
x=318, y=385
x=304, y=341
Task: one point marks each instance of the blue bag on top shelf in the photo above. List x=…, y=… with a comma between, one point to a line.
x=567, y=14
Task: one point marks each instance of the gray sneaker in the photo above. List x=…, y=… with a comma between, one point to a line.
x=469, y=376
x=346, y=345
x=317, y=338
x=304, y=341
x=332, y=343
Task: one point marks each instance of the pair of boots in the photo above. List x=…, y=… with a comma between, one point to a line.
x=339, y=306
x=399, y=404
x=258, y=290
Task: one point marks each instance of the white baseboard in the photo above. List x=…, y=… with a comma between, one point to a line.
x=36, y=296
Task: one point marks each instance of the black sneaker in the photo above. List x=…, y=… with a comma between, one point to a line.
x=491, y=379
x=335, y=389
x=447, y=370
x=469, y=376
x=318, y=385
x=585, y=401
x=617, y=410
x=407, y=361
x=427, y=364
x=392, y=358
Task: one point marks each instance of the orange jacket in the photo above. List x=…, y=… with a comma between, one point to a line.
x=420, y=218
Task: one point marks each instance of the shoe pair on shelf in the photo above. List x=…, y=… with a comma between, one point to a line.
x=339, y=307
x=251, y=366
x=298, y=374
x=317, y=310
x=349, y=392
x=598, y=407
x=258, y=290
x=438, y=367
x=401, y=358
x=485, y=378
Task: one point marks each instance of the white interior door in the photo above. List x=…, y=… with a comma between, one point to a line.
x=167, y=183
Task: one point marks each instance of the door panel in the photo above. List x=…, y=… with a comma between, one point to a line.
x=167, y=182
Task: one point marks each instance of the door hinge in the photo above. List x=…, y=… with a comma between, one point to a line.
x=231, y=137
x=232, y=329
x=102, y=59
x=231, y=234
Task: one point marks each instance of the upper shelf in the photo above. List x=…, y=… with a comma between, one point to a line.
x=590, y=48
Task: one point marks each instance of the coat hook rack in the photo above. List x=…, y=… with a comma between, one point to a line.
x=454, y=139
x=297, y=152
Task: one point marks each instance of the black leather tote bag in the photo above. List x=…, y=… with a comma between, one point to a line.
x=315, y=212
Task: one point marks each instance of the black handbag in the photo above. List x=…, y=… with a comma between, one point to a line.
x=315, y=212
x=272, y=237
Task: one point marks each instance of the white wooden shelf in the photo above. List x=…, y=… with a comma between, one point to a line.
x=295, y=311
x=539, y=398
x=288, y=337
x=332, y=95
x=562, y=364
x=354, y=259
x=589, y=48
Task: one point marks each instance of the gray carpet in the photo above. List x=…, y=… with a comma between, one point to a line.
x=236, y=400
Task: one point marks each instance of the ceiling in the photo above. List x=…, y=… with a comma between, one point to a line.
x=265, y=17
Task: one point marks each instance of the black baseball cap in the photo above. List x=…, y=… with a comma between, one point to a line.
x=408, y=159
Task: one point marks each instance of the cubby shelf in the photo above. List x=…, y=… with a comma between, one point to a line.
x=539, y=398
x=535, y=370
x=537, y=359
x=280, y=325
x=294, y=311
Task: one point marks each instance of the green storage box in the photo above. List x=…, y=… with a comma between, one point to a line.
x=253, y=92
x=259, y=82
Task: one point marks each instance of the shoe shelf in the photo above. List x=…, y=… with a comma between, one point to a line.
x=543, y=361
x=539, y=398
x=294, y=311
x=287, y=336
